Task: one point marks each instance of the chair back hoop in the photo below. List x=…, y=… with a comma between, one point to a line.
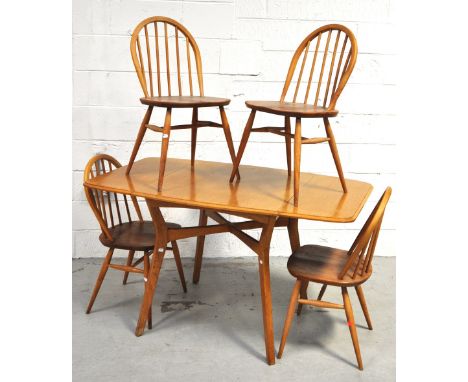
x=110, y=209
x=361, y=252
x=158, y=44
x=325, y=70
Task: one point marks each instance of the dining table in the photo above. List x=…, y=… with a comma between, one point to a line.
x=263, y=198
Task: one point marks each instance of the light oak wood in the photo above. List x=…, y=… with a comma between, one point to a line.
x=193, y=143
x=297, y=160
x=125, y=268
x=263, y=191
x=293, y=232
x=180, y=269
x=140, y=136
x=320, y=304
x=352, y=326
x=362, y=301
x=337, y=267
x=151, y=280
x=289, y=316
x=331, y=80
x=164, y=146
x=243, y=143
x=199, y=248
x=120, y=230
x=334, y=151
x=100, y=279
x=146, y=272
x=264, y=272
x=227, y=135
x=267, y=204
x=287, y=141
x=184, y=101
x=174, y=36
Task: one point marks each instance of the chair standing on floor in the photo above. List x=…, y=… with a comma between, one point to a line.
x=331, y=266
x=333, y=55
x=119, y=230
x=147, y=49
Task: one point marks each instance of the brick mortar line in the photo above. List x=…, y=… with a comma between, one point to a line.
x=247, y=111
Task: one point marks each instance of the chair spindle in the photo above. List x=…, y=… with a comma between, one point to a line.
x=150, y=72
x=319, y=84
x=168, y=70
x=156, y=38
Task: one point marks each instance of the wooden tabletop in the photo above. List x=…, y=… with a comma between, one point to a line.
x=261, y=190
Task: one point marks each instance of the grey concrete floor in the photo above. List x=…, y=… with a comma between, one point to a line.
x=214, y=332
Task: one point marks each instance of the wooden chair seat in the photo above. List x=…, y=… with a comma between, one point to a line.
x=292, y=109
x=323, y=265
x=136, y=235
x=184, y=101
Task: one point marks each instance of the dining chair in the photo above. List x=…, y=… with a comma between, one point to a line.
x=119, y=230
x=323, y=73
x=337, y=267
x=157, y=45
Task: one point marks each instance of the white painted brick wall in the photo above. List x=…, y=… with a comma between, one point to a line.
x=246, y=48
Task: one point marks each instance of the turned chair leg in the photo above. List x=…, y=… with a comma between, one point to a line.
x=164, y=146
x=146, y=270
x=334, y=151
x=289, y=316
x=178, y=261
x=297, y=159
x=362, y=300
x=322, y=291
x=131, y=254
x=303, y=294
x=194, y=136
x=352, y=325
x=139, y=138
x=243, y=143
x=287, y=139
x=100, y=279
x=228, y=136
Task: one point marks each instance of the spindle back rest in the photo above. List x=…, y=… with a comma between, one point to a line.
x=361, y=252
x=152, y=47
x=333, y=53
x=106, y=206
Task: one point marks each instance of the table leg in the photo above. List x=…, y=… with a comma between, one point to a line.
x=293, y=231
x=199, y=249
x=264, y=272
x=158, y=255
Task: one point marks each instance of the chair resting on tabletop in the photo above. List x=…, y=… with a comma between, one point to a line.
x=333, y=52
x=152, y=55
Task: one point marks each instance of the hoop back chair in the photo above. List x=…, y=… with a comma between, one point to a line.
x=120, y=229
x=169, y=67
x=328, y=57
x=331, y=266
